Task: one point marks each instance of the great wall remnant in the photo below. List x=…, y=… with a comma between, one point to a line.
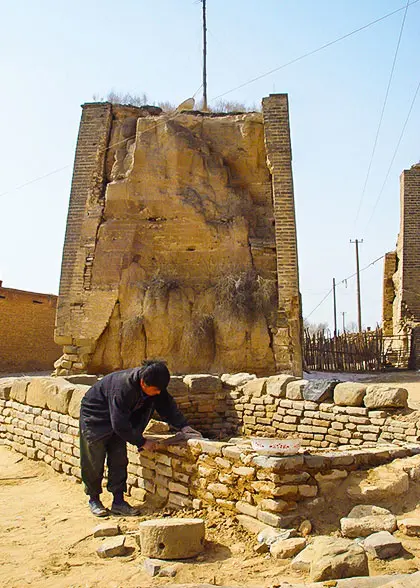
x=181, y=243
x=401, y=298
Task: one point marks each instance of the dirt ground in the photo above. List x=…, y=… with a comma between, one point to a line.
x=46, y=534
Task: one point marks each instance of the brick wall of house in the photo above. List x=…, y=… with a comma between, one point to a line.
x=27, y=331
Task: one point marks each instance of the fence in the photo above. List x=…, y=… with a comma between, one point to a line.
x=353, y=352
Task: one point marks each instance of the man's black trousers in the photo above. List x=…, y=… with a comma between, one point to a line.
x=92, y=462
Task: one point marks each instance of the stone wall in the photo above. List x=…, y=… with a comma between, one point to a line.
x=27, y=330
x=174, y=243
x=401, y=308
x=38, y=418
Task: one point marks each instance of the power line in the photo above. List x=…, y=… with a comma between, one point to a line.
x=51, y=173
x=309, y=53
x=162, y=121
x=382, y=112
x=394, y=155
x=342, y=282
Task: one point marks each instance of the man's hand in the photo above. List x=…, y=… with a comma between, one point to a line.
x=148, y=445
x=191, y=433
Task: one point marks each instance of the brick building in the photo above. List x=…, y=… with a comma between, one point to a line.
x=181, y=242
x=27, y=331
x=401, y=298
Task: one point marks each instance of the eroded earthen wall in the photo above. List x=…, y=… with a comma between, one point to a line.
x=181, y=243
x=27, y=331
x=388, y=294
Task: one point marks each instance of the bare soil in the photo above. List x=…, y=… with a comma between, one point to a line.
x=46, y=533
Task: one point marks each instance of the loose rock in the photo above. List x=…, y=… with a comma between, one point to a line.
x=106, y=530
x=153, y=566
x=337, y=558
x=305, y=528
x=285, y=548
x=382, y=545
x=112, y=547
x=410, y=526
x=363, y=520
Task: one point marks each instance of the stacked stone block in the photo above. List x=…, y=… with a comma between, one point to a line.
x=194, y=474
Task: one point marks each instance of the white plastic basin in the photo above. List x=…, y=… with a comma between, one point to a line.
x=275, y=446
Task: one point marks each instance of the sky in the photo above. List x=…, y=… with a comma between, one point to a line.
x=54, y=56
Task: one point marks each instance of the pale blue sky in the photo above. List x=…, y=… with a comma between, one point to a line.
x=56, y=55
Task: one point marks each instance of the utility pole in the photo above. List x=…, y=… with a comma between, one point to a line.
x=204, y=56
x=335, y=309
x=344, y=322
x=359, y=305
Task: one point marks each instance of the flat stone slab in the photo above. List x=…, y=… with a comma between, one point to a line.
x=382, y=545
x=319, y=390
x=171, y=538
x=112, y=547
x=365, y=519
x=106, y=530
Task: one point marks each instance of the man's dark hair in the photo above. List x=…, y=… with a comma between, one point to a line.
x=155, y=373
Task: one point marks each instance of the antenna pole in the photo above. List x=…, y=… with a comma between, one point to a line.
x=204, y=56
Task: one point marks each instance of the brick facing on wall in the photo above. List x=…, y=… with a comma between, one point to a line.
x=279, y=156
x=401, y=299
x=87, y=183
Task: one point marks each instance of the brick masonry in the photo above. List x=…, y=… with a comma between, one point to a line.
x=87, y=187
x=27, y=330
x=402, y=293
x=279, y=158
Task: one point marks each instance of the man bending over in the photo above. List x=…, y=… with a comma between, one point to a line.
x=114, y=412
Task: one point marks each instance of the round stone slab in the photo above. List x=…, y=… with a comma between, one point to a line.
x=171, y=538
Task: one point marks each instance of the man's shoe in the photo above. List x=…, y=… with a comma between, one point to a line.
x=97, y=508
x=124, y=509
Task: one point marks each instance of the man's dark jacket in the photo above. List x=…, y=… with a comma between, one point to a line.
x=117, y=404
